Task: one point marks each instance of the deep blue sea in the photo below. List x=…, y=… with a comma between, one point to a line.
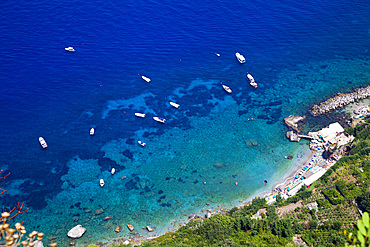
x=298, y=52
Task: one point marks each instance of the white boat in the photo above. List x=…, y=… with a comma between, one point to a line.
x=143, y=144
x=69, y=48
x=159, y=119
x=252, y=81
x=146, y=78
x=101, y=182
x=43, y=142
x=174, y=104
x=240, y=57
x=138, y=114
x=227, y=89
x=92, y=131
x=218, y=54
x=113, y=171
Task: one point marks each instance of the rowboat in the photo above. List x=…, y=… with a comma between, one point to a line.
x=227, y=89
x=251, y=79
x=240, y=57
x=174, y=104
x=92, y=131
x=43, y=142
x=130, y=227
x=138, y=114
x=159, y=119
x=143, y=144
x=147, y=79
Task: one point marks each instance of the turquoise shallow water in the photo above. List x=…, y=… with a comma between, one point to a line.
x=299, y=54
x=180, y=170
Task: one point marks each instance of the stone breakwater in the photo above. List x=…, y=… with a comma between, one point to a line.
x=339, y=101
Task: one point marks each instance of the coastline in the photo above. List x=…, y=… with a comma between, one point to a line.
x=296, y=164
x=282, y=181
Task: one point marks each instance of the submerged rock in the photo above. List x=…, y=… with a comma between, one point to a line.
x=251, y=142
x=76, y=232
x=99, y=211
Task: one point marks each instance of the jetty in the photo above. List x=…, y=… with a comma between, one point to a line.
x=340, y=101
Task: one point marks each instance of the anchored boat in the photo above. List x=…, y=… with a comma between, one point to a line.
x=69, y=48
x=143, y=144
x=174, y=104
x=43, y=142
x=159, y=119
x=139, y=114
x=252, y=81
x=147, y=79
x=240, y=57
x=227, y=89
x=92, y=131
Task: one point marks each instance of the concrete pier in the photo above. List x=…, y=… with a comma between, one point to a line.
x=339, y=101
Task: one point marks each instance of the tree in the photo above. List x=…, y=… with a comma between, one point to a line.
x=227, y=243
x=313, y=224
x=218, y=226
x=364, y=202
x=337, y=225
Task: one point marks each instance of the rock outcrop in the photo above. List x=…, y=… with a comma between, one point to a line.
x=293, y=121
x=292, y=136
x=339, y=101
x=194, y=217
x=76, y=232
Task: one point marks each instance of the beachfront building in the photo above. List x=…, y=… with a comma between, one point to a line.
x=322, y=158
x=328, y=134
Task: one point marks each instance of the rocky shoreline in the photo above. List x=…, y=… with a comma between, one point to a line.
x=339, y=101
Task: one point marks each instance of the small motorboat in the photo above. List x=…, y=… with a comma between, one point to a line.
x=143, y=144
x=265, y=182
x=113, y=171
x=101, y=182
x=227, y=89
x=218, y=54
x=43, y=142
x=240, y=57
x=92, y=131
x=147, y=79
x=174, y=104
x=138, y=114
x=252, y=81
x=159, y=119
x=69, y=48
